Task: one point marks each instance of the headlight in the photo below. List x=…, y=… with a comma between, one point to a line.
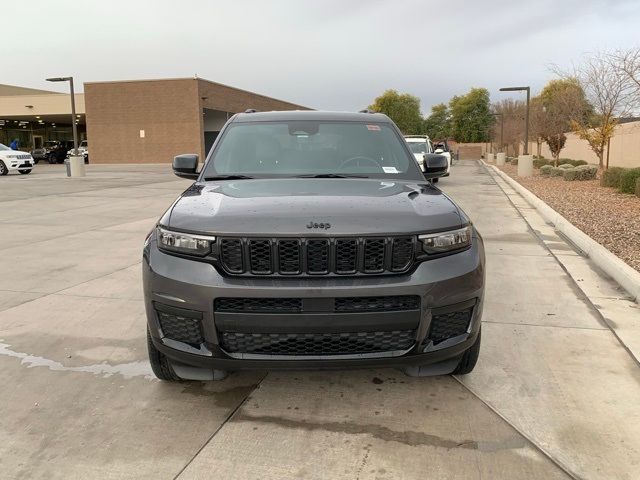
x=189, y=244
x=446, y=241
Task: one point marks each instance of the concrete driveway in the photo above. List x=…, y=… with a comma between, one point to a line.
x=555, y=394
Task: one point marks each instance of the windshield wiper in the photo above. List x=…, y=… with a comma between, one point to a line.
x=227, y=177
x=331, y=175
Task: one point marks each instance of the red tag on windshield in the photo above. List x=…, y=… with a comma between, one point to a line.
x=375, y=128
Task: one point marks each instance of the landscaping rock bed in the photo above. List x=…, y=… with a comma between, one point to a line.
x=610, y=218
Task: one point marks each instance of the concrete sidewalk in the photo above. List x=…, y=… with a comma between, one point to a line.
x=555, y=393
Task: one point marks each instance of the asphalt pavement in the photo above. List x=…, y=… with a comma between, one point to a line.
x=555, y=393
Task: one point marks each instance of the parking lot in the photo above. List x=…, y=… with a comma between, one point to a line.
x=555, y=393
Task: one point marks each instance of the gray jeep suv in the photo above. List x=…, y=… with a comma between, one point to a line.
x=312, y=240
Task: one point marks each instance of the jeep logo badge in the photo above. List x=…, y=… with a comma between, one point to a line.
x=318, y=225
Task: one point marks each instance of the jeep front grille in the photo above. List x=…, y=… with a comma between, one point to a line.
x=316, y=256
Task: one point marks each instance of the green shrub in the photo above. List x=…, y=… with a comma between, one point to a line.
x=638, y=187
x=556, y=172
x=541, y=162
x=565, y=165
x=611, y=177
x=573, y=163
x=570, y=174
x=545, y=170
x=591, y=172
x=586, y=172
x=514, y=161
x=628, y=180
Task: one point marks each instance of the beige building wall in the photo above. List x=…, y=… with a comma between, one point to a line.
x=625, y=147
x=49, y=104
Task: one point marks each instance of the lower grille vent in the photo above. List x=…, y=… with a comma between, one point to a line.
x=317, y=343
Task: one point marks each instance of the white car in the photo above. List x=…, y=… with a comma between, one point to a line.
x=15, y=160
x=83, y=149
x=421, y=145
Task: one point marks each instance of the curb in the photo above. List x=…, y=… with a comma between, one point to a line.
x=627, y=277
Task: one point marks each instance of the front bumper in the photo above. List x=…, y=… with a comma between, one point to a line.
x=179, y=283
x=17, y=165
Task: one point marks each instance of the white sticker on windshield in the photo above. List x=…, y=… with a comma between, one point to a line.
x=390, y=169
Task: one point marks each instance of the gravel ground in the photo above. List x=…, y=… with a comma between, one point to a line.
x=610, y=218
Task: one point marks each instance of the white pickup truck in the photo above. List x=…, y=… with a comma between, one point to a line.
x=420, y=145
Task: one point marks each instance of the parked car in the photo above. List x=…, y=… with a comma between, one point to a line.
x=312, y=240
x=15, y=160
x=57, y=151
x=42, y=153
x=83, y=149
x=420, y=145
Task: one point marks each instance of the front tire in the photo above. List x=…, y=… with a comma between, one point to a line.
x=51, y=159
x=25, y=172
x=3, y=169
x=159, y=363
x=435, y=180
x=469, y=358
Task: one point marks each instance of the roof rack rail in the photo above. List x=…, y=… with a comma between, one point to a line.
x=366, y=110
x=250, y=110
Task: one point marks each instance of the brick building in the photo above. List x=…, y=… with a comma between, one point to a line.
x=151, y=121
x=139, y=121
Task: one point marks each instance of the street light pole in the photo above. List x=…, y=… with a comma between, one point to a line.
x=526, y=122
x=75, y=127
x=73, y=109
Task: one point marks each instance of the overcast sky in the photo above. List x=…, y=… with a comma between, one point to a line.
x=325, y=54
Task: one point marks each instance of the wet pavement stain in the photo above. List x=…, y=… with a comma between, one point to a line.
x=127, y=370
x=407, y=437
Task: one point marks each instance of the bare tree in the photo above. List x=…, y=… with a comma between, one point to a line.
x=512, y=114
x=537, y=123
x=607, y=89
x=628, y=63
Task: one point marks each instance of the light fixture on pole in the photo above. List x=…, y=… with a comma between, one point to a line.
x=526, y=122
x=73, y=109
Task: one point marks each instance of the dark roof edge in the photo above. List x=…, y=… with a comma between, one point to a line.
x=197, y=79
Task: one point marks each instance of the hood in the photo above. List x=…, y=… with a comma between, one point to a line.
x=12, y=153
x=283, y=207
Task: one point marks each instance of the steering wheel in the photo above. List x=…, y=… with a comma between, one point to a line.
x=357, y=159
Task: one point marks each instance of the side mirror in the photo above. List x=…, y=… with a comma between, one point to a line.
x=186, y=165
x=434, y=165
x=439, y=150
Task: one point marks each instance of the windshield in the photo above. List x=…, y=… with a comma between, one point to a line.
x=308, y=148
x=418, y=147
x=4, y=147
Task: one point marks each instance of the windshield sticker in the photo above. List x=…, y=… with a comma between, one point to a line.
x=374, y=128
x=390, y=169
